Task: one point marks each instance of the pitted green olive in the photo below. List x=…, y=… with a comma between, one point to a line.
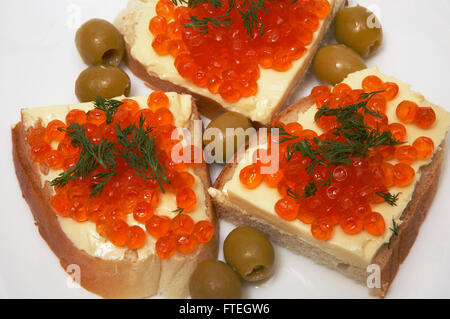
x=99, y=42
x=334, y=62
x=104, y=81
x=213, y=279
x=250, y=253
x=232, y=139
x=359, y=29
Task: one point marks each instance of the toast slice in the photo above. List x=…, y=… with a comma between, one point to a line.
x=159, y=72
x=105, y=269
x=348, y=254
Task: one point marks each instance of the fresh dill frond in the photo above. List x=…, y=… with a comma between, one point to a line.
x=249, y=10
x=138, y=149
x=356, y=140
x=179, y=210
x=110, y=107
x=291, y=193
x=101, y=178
x=310, y=189
x=251, y=16
x=394, y=230
x=389, y=198
x=306, y=150
x=91, y=156
x=134, y=144
x=201, y=25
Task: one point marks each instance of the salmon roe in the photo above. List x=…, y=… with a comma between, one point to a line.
x=425, y=117
x=406, y=111
x=227, y=61
x=344, y=194
x=424, y=147
x=126, y=211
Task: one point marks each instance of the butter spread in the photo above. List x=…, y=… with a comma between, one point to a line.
x=83, y=234
x=272, y=85
x=359, y=249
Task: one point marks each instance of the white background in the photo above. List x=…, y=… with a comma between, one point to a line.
x=39, y=65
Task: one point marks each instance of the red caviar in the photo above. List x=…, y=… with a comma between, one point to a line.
x=403, y=174
x=157, y=100
x=186, y=199
x=322, y=229
x=424, y=147
x=126, y=193
x=182, y=224
x=158, y=226
x=343, y=194
x=398, y=131
x=425, y=117
x=77, y=116
x=251, y=176
x=287, y=208
x=406, y=111
x=136, y=237
x=390, y=90
x=37, y=135
x=166, y=246
x=203, y=231
x=406, y=154
x=227, y=60
x=372, y=83
x=186, y=244
x=96, y=117
x=374, y=223
x=53, y=130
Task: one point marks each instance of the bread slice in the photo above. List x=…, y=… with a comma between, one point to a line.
x=387, y=258
x=127, y=276
x=274, y=88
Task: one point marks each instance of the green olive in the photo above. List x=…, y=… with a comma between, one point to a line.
x=359, y=29
x=229, y=141
x=99, y=42
x=104, y=81
x=249, y=252
x=334, y=62
x=213, y=279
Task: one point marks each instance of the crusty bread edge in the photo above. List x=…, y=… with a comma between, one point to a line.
x=389, y=259
x=211, y=108
x=126, y=278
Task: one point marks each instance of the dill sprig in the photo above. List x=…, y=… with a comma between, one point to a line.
x=358, y=139
x=110, y=107
x=139, y=151
x=250, y=16
x=134, y=144
x=201, y=25
x=91, y=156
x=179, y=210
x=389, y=198
x=291, y=193
x=310, y=189
x=394, y=230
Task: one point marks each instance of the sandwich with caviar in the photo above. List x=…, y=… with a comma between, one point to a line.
x=242, y=56
x=108, y=196
x=356, y=170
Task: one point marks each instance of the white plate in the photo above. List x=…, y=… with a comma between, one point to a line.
x=39, y=65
